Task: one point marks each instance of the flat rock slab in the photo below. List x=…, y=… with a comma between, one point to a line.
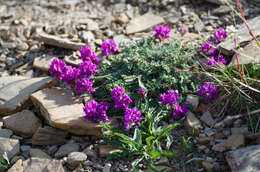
x=17, y=167
x=43, y=63
x=10, y=146
x=227, y=47
x=219, y=2
x=62, y=110
x=24, y=122
x=72, y=60
x=244, y=159
x=59, y=42
x=248, y=54
x=15, y=92
x=46, y=165
x=143, y=23
x=49, y=136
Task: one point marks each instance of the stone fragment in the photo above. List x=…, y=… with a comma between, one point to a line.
x=122, y=19
x=24, y=122
x=248, y=54
x=74, y=61
x=49, y=136
x=244, y=159
x=43, y=63
x=205, y=140
x=163, y=161
x=240, y=130
x=25, y=148
x=160, y=168
x=143, y=23
x=92, y=26
x=58, y=42
x=193, y=100
x=235, y=141
x=46, y=165
x=64, y=111
x=107, y=167
x=76, y=158
x=219, y=147
x=66, y=149
x=87, y=36
x=218, y=2
x=15, y=92
x=227, y=47
x=223, y=9
x=207, y=119
x=17, y=167
x=22, y=46
x=90, y=152
x=106, y=150
x=208, y=166
x=5, y=133
x=10, y=146
x=192, y=122
x=38, y=153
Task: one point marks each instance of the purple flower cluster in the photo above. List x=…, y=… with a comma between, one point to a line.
x=142, y=93
x=171, y=98
x=210, y=49
x=77, y=78
x=120, y=98
x=86, y=54
x=109, y=47
x=96, y=111
x=131, y=117
x=162, y=31
x=220, y=34
x=208, y=90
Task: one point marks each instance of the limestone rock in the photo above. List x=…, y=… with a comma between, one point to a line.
x=24, y=122
x=193, y=100
x=74, y=61
x=192, y=122
x=66, y=149
x=49, y=136
x=15, y=92
x=46, y=165
x=219, y=2
x=122, y=19
x=143, y=23
x=106, y=150
x=17, y=167
x=62, y=110
x=43, y=63
x=59, y=42
x=244, y=159
x=235, y=141
x=227, y=47
x=5, y=133
x=208, y=166
x=10, y=146
x=39, y=154
x=207, y=119
x=76, y=158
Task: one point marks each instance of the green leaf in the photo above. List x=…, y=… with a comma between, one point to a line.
x=137, y=136
x=168, y=154
x=185, y=144
x=154, y=154
x=136, y=162
x=141, y=84
x=166, y=130
x=169, y=141
x=258, y=43
x=196, y=160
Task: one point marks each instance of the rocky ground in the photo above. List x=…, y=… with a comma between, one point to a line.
x=32, y=33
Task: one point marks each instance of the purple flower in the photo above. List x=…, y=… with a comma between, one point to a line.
x=211, y=61
x=71, y=74
x=57, y=68
x=220, y=59
x=86, y=54
x=96, y=110
x=209, y=48
x=120, y=98
x=171, y=98
x=109, y=47
x=132, y=116
x=208, y=90
x=182, y=30
x=179, y=111
x=87, y=68
x=220, y=35
x=142, y=93
x=84, y=85
x=162, y=31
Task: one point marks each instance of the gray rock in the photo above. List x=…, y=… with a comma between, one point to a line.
x=22, y=46
x=49, y=136
x=107, y=167
x=93, y=26
x=59, y=42
x=46, y=165
x=5, y=133
x=219, y=2
x=72, y=60
x=192, y=122
x=227, y=47
x=17, y=167
x=76, y=158
x=240, y=130
x=64, y=111
x=244, y=159
x=15, y=92
x=193, y=100
x=10, y=146
x=87, y=36
x=43, y=63
x=198, y=26
x=9, y=45
x=52, y=149
x=90, y=152
x=24, y=122
x=109, y=33
x=39, y=154
x=223, y=9
x=207, y=119
x=143, y=23
x=25, y=148
x=66, y=149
